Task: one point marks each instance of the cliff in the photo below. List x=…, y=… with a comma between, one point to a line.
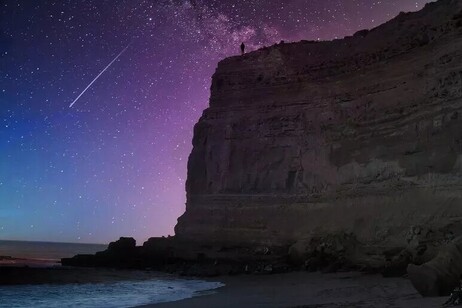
x=361, y=135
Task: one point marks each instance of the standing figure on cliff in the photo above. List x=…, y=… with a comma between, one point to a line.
x=242, y=48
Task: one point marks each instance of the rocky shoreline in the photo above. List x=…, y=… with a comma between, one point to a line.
x=334, y=253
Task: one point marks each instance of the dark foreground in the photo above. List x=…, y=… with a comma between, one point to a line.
x=297, y=289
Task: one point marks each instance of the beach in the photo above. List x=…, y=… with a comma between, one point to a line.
x=302, y=289
x=295, y=289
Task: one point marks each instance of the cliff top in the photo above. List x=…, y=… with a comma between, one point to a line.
x=405, y=31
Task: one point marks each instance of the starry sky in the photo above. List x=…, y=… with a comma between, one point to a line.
x=115, y=163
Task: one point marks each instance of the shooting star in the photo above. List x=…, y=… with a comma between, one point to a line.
x=101, y=73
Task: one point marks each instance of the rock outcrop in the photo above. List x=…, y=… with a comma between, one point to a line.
x=440, y=276
x=361, y=135
x=183, y=257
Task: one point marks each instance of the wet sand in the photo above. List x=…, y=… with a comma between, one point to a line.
x=310, y=290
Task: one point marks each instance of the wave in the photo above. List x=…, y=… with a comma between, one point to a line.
x=112, y=295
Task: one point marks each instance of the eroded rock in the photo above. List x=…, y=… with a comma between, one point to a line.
x=441, y=275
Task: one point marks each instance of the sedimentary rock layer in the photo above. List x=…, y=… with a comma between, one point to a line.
x=360, y=135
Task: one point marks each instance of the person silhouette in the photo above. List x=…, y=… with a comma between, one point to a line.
x=242, y=48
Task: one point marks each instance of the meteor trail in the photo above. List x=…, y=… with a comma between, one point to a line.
x=101, y=73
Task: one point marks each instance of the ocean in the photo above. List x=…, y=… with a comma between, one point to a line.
x=108, y=295
x=46, y=250
x=114, y=294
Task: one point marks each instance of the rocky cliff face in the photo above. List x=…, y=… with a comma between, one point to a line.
x=360, y=135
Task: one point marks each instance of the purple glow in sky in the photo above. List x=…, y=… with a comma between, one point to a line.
x=115, y=163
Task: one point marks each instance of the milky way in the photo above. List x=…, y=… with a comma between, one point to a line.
x=115, y=163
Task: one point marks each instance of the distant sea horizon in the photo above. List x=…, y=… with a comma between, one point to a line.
x=43, y=241
x=43, y=250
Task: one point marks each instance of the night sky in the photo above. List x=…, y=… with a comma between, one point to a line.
x=115, y=163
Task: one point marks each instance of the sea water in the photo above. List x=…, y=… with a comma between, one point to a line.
x=46, y=250
x=111, y=295
x=90, y=295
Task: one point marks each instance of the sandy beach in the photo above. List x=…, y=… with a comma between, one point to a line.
x=310, y=290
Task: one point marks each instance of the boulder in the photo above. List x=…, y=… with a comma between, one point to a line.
x=123, y=245
x=442, y=274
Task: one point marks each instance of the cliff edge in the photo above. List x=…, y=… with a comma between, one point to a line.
x=361, y=135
